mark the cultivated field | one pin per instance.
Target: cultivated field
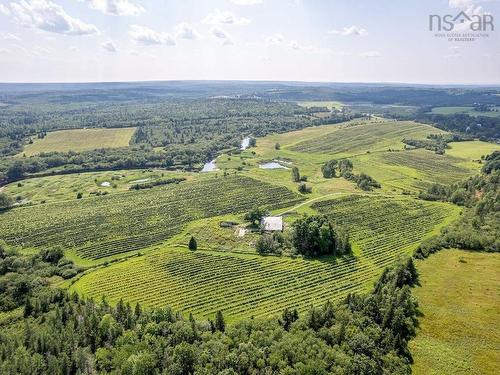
(114, 224)
(244, 285)
(460, 302)
(79, 140)
(369, 137)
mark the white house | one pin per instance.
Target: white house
(271, 223)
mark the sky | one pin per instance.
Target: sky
(277, 40)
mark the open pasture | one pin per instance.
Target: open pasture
(460, 303)
(79, 140)
(114, 224)
(245, 285)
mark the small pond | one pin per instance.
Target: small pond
(209, 167)
(272, 165)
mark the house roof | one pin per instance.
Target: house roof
(272, 223)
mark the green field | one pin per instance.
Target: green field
(369, 137)
(244, 285)
(460, 302)
(79, 140)
(326, 104)
(66, 187)
(107, 225)
(466, 110)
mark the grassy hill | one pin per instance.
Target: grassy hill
(460, 303)
(369, 137)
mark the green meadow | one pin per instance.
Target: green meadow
(460, 304)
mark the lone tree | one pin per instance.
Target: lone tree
(193, 245)
(328, 169)
(255, 215)
(295, 174)
(304, 189)
(220, 324)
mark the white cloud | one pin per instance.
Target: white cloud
(116, 7)
(347, 31)
(246, 2)
(145, 35)
(281, 41)
(4, 50)
(185, 31)
(4, 10)
(109, 46)
(219, 33)
(133, 52)
(275, 39)
(218, 17)
(9, 36)
(73, 49)
(460, 3)
(39, 50)
(370, 54)
(48, 16)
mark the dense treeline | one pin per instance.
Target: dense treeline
(479, 226)
(64, 334)
(482, 127)
(27, 276)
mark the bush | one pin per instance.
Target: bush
(270, 244)
(304, 189)
(5, 201)
(52, 255)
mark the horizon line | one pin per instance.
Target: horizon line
(496, 84)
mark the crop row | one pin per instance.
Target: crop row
(203, 282)
(107, 225)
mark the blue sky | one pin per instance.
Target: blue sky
(301, 40)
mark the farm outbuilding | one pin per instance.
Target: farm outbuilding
(271, 223)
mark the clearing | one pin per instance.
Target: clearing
(79, 140)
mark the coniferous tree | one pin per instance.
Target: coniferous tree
(193, 245)
(220, 324)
